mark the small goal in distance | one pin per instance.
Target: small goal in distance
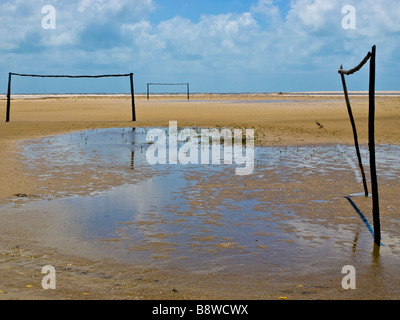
(130, 75)
(168, 84)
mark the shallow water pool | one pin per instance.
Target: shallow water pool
(291, 214)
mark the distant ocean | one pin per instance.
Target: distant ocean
(311, 93)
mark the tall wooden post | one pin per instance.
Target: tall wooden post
(187, 89)
(148, 85)
(353, 125)
(8, 98)
(371, 139)
(133, 98)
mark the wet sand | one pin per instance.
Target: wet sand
(29, 237)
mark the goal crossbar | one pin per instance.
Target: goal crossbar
(168, 84)
(68, 76)
(130, 75)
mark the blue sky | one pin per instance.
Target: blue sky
(216, 46)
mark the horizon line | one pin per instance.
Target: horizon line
(324, 93)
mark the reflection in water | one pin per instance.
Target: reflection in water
(133, 152)
(356, 236)
(376, 254)
(292, 212)
(376, 273)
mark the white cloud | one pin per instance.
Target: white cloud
(261, 41)
(108, 9)
(211, 36)
(21, 20)
(212, 40)
(58, 39)
(313, 13)
(377, 18)
(270, 11)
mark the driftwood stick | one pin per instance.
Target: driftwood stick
(355, 69)
(353, 125)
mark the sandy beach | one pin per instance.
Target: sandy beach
(284, 121)
(30, 240)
